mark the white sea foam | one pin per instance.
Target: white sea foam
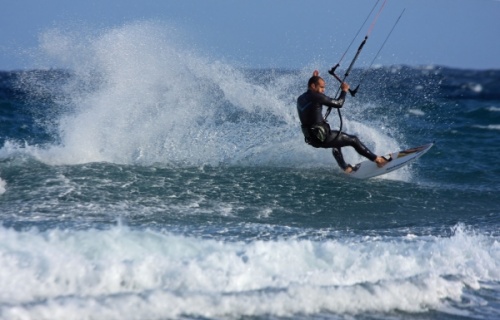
(2, 186)
(126, 274)
(475, 87)
(489, 127)
(416, 112)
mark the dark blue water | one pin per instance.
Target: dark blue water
(140, 181)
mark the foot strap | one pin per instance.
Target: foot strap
(388, 159)
(355, 168)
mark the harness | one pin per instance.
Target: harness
(316, 134)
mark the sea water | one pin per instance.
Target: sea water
(141, 179)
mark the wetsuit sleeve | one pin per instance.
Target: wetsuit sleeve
(330, 102)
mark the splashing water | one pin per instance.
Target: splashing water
(137, 96)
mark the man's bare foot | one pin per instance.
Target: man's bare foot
(381, 161)
(349, 169)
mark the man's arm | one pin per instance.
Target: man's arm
(330, 102)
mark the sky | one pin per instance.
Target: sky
(286, 34)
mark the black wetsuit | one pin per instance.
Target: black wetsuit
(317, 131)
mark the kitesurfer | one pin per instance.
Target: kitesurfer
(317, 131)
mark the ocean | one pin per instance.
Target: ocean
(140, 179)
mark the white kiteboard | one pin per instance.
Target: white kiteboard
(368, 169)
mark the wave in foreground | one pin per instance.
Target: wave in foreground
(119, 272)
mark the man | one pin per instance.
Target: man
(317, 131)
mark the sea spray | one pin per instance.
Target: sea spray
(136, 95)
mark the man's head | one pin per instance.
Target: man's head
(316, 84)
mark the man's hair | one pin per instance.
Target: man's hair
(313, 80)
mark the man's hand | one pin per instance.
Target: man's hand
(315, 73)
(344, 86)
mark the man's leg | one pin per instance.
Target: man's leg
(347, 140)
(344, 140)
(337, 154)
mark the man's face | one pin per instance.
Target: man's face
(319, 87)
